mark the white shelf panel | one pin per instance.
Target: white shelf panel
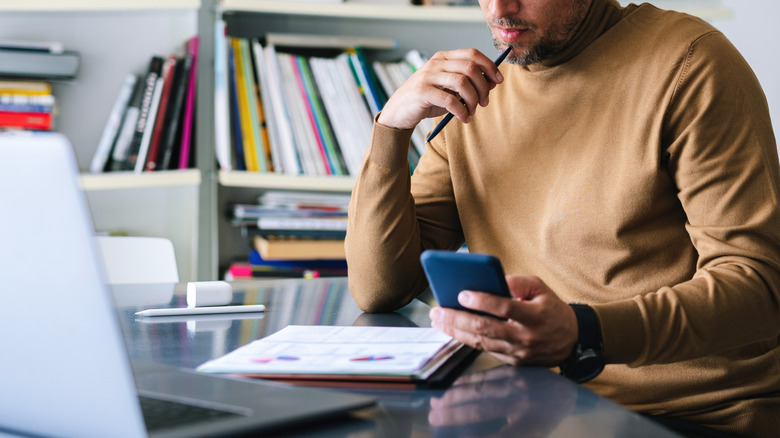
(707, 10)
(95, 5)
(286, 182)
(357, 10)
(130, 180)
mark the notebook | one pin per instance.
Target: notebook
(65, 369)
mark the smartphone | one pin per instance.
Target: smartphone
(450, 272)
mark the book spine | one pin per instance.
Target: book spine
(250, 150)
(33, 121)
(150, 82)
(290, 160)
(254, 118)
(174, 114)
(168, 74)
(27, 87)
(42, 65)
(235, 118)
(26, 107)
(140, 162)
(186, 135)
(321, 118)
(127, 128)
(110, 131)
(221, 98)
(334, 108)
(268, 123)
(307, 97)
(308, 152)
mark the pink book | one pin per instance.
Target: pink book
(307, 104)
(186, 134)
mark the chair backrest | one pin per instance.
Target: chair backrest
(129, 260)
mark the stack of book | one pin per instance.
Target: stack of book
(150, 126)
(293, 234)
(300, 104)
(26, 71)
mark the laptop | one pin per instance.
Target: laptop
(65, 370)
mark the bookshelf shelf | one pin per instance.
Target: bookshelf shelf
(95, 5)
(708, 10)
(357, 10)
(130, 180)
(273, 181)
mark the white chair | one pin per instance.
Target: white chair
(133, 260)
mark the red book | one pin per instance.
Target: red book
(25, 120)
(159, 123)
(186, 135)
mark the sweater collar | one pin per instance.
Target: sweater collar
(601, 16)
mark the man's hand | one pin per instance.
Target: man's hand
(439, 85)
(540, 329)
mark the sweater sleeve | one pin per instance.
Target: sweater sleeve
(722, 155)
(390, 223)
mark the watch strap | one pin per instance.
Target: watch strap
(588, 327)
(587, 359)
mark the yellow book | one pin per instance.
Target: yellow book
(27, 88)
(250, 151)
(299, 248)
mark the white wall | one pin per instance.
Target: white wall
(753, 30)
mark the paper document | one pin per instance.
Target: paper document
(320, 351)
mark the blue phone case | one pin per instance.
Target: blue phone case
(450, 272)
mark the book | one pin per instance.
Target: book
(367, 79)
(279, 223)
(280, 247)
(265, 135)
(235, 113)
(305, 143)
(124, 137)
(290, 161)
(321, 120)
(168, 73)
(174, 114)
(189, 105)
(141, 158)
(343, 354)
(26, 87)
(329, 266)
(265, 110)
(38, 64)
(248, 139)
(111, 129)
(147, 98)
(24, 103)
(221, 98)
(252, 106)
(55, 47)
(22, 120)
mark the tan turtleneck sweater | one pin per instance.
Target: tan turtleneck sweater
(637, 171)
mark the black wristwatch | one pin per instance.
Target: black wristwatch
(587, 359)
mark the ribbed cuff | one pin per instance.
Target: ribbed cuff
(622, 330)
(390, 146)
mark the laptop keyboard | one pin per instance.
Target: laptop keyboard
(163, 414)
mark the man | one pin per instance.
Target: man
(622, 158)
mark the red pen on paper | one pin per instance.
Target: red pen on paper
(370, 358)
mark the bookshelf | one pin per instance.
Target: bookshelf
(118, 37)
(115, 38)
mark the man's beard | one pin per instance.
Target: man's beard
(545, 47)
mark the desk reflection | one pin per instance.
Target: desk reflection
(485, 401)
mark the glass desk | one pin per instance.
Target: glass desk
(488, 399)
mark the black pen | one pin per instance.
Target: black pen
(449, 116)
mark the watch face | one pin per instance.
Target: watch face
(587, 366)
